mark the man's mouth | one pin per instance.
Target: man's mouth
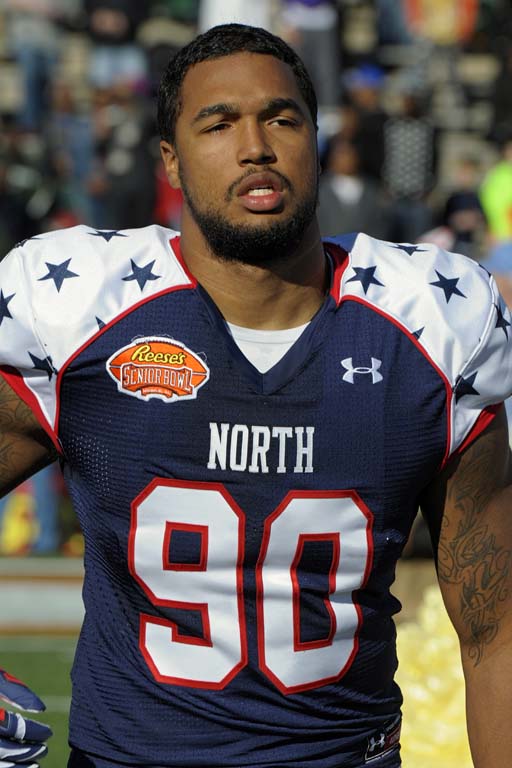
(261, 192)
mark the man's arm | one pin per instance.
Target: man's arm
(24, 448)
(469, 511)
(24, 445)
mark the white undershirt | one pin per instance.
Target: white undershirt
(265, 348)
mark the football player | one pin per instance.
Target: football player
(248, 420)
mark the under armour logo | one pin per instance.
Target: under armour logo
(373, 743)
(362, 370)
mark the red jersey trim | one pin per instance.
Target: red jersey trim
(175, 244)
(15, 380)
(483, 420)
(340, 262)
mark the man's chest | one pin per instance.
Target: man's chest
(353, 406)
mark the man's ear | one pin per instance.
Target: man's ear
(171, 163)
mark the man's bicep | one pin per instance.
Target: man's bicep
(468, 509)
(24, 446)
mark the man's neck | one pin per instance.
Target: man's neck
(276, 296)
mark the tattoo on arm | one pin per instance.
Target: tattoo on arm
(470, 555)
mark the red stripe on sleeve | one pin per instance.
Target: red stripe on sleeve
(485, 418)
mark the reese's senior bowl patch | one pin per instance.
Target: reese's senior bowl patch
(158, 367)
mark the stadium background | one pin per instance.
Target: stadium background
(416, 144)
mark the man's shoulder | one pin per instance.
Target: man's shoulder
(81, 261)
(449, 308)
(415, 257)
(446, 302)
(81, 242)
(384, 271)
(63, 286)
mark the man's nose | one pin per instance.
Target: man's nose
(254, 145)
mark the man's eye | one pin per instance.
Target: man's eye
(217, 128)
(285, 121)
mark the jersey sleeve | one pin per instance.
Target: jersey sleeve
(25, 363)
(451, 309)
(485, 380)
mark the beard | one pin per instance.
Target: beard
(249, 244)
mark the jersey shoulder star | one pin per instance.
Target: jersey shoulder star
(448, 285)
(108, 234)
(142, 273)
(4, 306)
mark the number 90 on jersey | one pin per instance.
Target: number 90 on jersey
(213, 584)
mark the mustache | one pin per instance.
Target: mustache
(260, 169)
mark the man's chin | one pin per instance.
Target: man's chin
(255, 238)
(269, 239)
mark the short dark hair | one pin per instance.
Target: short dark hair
(225, 40)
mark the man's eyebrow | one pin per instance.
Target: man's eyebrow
(216, 109)
(274, 106)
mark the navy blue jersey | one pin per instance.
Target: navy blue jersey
(242, 529)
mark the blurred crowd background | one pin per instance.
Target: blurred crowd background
(415, 136)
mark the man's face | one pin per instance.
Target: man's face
(245, 157)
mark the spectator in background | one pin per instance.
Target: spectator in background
(27, 184)
(70, 138)
(496, 193)
(122, 182)
(409, 171)
(464, 215)
(463, 227)
(15, 221)
(348, 201)
(171, 24)
(123, 179)
(115, 56)
(312, 28)
(33, 35)
(367, 115)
